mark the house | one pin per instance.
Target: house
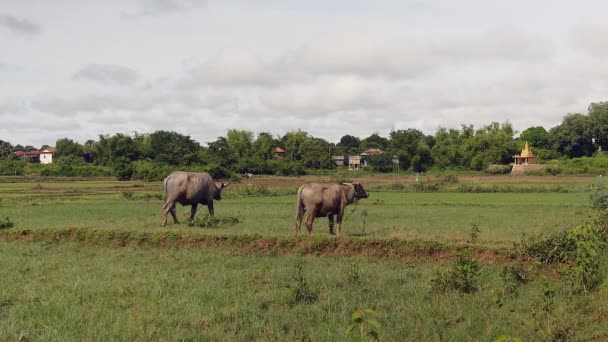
(339, 160)
(44, 156)
(354, 162)
(279, 152)
(357, 162)
(30, 156)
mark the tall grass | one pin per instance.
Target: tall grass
(75, 292)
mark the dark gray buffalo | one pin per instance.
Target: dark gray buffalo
(321, 200)
(190, 188)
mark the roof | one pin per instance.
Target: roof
(526, 152)
(48, 150)
(372, 151)
(27, 154)
(279, 150)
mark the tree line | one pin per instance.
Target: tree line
(148, 156)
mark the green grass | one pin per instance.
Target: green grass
(68, 291)
(501, 217)
(98, 266)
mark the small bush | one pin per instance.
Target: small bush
(214, 222)
(128, 195)
(512, 277)
(6, 223)
(300, 289)
(463, 276)
(353, 275)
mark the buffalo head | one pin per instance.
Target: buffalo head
(217, 194)
(359, 191)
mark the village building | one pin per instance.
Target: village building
(44, 156)
(525, 161)
(357, 162)
(339, 160)
(279, 152)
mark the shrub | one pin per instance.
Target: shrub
(6, 223)
(128, 195)
(353, 275)
(463, 276)
(214, 221)
(300, 289)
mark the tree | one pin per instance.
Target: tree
(406, 140)
(220, 152)
(240, 142)
(492, 144)
(6, 149)
(171, 148)
(263, 146)
(293, 142)
(448, 149)
(67, 147)
(537, 137)
(315, 154)
(110, 148)
(598, 117)
(573, 137)
(349, 143)
(374, 141)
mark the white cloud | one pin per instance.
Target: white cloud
(162, 7)
(108, 74)
(364, 54)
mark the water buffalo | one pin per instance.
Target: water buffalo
(321, 200)
(190, 188)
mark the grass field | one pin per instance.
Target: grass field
(59, 289)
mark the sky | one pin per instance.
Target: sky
(80, 68)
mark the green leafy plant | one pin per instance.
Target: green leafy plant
(364, 324)
(353, 274)
(6, 223)
(301, 290)
(462, 277)
(474, 234)
(128, 195)
(214, 221)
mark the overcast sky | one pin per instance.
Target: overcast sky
(79, 68)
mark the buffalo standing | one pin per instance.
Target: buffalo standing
(321, 200)
(190, 188)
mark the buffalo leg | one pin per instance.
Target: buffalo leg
(210, 207)
(169, 207)
(309, 220)
(193, 211)
(330, 217)
(299, 216)
(338, 223)
(173, 213)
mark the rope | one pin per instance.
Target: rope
(353, 210)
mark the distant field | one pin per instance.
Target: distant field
(81, 285)
(269, 209)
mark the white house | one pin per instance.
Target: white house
(46, 155)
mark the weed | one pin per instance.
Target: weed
(462, 277)
(214, 222)
(6, 223)
(300, 289)
(364, 324)
(128, 195)
(474, 234)
(353, 274)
